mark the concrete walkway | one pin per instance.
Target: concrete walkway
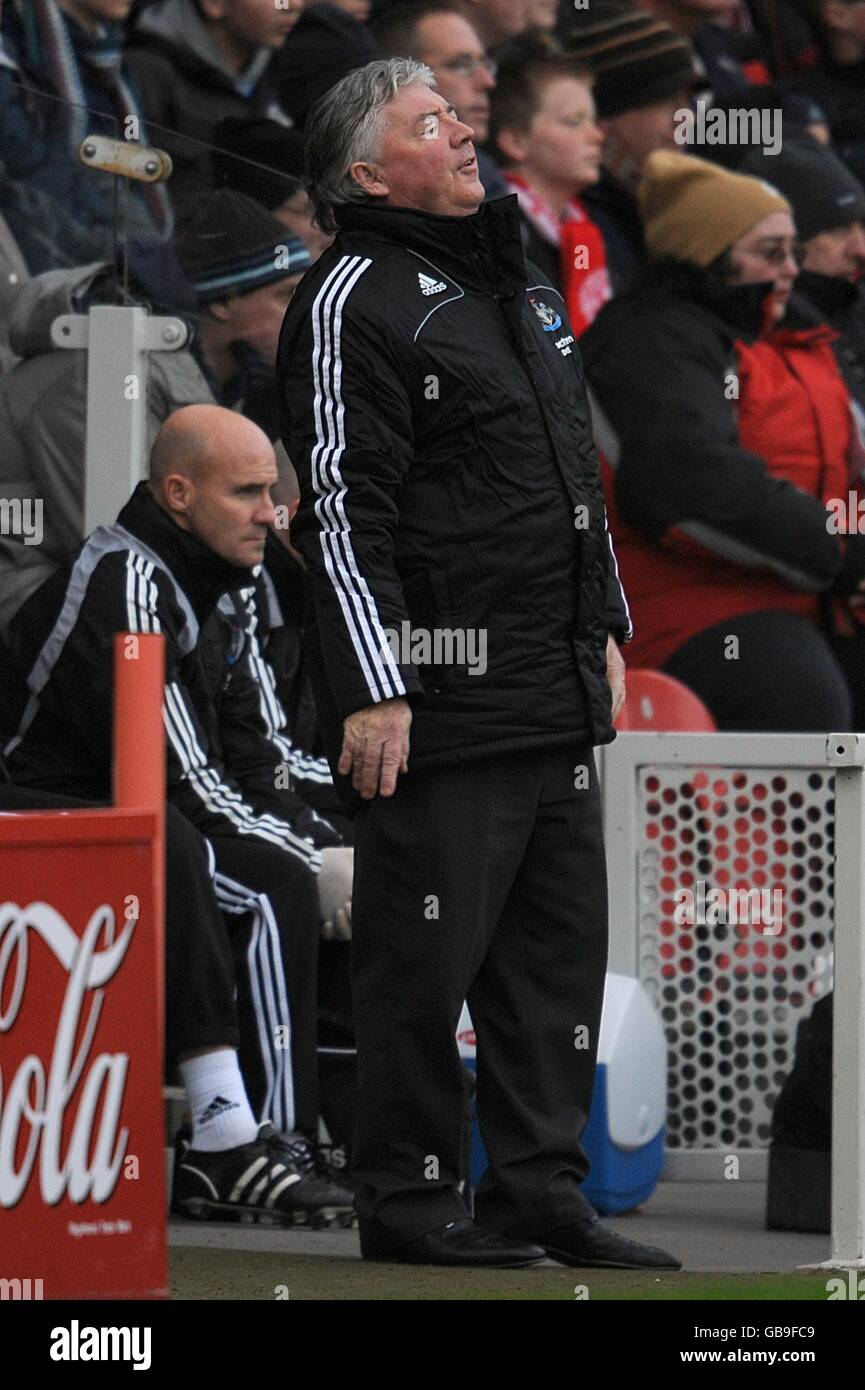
(712, 1227)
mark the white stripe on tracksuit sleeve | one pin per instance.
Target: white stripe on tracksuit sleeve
(358, 606)
(217, 797)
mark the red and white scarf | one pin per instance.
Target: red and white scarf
(584, 278)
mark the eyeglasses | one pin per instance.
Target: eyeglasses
(467, 67)
(774, 255)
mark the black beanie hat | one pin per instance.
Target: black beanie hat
(821, 190)
(231, 245)
(636, 59)
(245, 144)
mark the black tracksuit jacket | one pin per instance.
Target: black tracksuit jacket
(435, 412)
(226, 732)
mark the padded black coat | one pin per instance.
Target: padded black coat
(435, 412)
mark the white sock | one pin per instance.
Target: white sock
(221, 1113)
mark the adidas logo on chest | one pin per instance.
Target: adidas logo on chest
(428, 285)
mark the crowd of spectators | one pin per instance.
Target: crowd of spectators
(711, 270)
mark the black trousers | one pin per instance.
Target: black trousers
(483, 882)
(271, 900)
(788, 676)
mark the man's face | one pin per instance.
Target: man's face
(498, 20)
(256, 23)
(634, 135)
(296, 213)
(449, 45)
(840, 253)
(768, 252)
(426, 159)
(255, 319)
(230, 507)
(564, 143)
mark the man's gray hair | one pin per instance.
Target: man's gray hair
(344, 128)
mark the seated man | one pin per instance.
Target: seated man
(202, 1038)
(187, 538)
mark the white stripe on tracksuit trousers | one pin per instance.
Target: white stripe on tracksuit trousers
(263, 953)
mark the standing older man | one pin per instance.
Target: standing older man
(452, 522)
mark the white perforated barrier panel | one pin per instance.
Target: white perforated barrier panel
(735, 960)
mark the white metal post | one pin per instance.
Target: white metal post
(846, 753)
(117, 340)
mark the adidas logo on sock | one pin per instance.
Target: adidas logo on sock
(217, 1106)
(430, 286)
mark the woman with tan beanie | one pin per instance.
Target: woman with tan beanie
(726, 434)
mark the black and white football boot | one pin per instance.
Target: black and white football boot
(312, 1161)
(269, 1180)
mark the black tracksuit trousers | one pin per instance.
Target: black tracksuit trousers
(484, 882)
(241, 952)
(273, 899)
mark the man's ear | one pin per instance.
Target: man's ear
(370, 179)
(513, 144)
(212, 9)
(177, 492)
(220, 310)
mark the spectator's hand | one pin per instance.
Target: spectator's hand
(334, 892)
(339, 929)
(375, 747)
(615, 674)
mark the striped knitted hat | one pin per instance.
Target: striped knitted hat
(636, 58)
(231, 245)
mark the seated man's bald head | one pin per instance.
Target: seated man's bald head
(212, 471)
(197, 438)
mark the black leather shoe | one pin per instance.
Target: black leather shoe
(458, 1243)
(589, 1245)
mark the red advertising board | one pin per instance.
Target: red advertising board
(82, 1167)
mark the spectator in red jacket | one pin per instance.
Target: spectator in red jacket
(729, 448)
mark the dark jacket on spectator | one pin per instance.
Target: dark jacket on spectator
(185, 85)
(721, 448)
(840, 91)
(324, 45)
(461, 494)
(43, 423)
(829, 299)
(13, 274)
(60, 212)
(224, 725)
(615, 210)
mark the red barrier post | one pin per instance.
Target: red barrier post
(139, 757)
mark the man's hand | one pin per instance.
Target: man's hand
(615, 674)
(375, 747)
